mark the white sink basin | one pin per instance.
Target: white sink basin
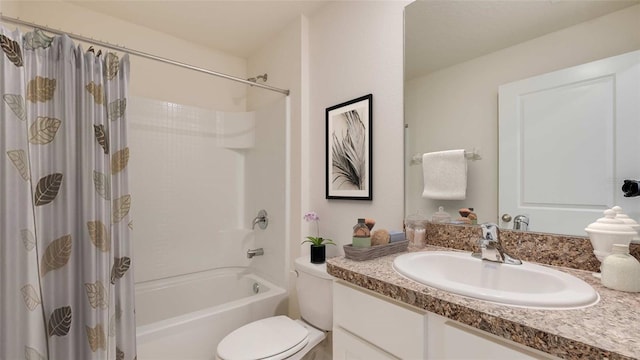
(526, 285)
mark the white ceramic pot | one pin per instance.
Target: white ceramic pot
(621, 271)
(620, 215)
(607, 231)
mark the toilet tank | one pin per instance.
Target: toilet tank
(315, 293)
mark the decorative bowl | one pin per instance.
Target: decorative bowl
(606, 231)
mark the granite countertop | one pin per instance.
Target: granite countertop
(610, 329)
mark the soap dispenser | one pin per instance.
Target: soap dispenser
(361, 235)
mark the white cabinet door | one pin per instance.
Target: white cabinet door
(449, 339)
(568, 139)
(394, 327)
(349, 347)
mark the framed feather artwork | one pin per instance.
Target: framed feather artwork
(348, 149)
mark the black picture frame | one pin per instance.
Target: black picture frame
(349, 149)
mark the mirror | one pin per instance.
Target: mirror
(457, 55)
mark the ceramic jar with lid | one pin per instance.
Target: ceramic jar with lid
(441, 216)
(607, 231)
(621, 271)
(620, 215)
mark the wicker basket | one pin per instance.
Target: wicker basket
(361, 254)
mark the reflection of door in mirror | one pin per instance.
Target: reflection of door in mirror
(568, 139)
(454, 105)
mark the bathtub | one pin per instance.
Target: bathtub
(185, 317)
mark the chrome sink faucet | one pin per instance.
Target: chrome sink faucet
(491, 248)
(521, 222)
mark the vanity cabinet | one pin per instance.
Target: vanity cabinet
(365, 323)
(352, 347)
(448, 339)
(369, 326)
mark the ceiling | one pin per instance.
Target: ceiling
(236, 27)
(441, 33)
(438, 33)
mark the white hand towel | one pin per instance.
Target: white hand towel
(445, 175)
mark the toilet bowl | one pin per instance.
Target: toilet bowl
(273, 338)
(280, 337)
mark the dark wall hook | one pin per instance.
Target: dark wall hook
(631, 188)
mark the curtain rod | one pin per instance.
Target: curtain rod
(145, 55)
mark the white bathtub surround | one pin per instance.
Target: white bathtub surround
(235, 130)
(197, 201)
(200, 177)
(185, 317)
(66, 286)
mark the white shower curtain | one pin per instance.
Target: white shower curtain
(66, 283)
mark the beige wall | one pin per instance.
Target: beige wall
(457, 107)
(355, 48)
(282, 58)
(150, 79)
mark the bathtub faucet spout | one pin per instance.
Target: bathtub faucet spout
(254, 252)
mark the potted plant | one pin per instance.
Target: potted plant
(318, 249)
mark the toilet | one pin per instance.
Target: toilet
(280, 337)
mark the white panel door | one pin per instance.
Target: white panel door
(568, 139)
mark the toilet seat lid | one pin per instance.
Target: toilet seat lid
(264, 339)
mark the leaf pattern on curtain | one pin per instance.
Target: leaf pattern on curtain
(120, 267)
(102, 184)
(47, 189)
(99, 236)
(48, 145)
(17, 105)
(119, 160)
(32, 354)
(19, 160)
(97, 295)
(130, 225)
(59, 322)
(114, 321)
(97, 339)
(37, 39)
(43, 130)
(120, 208)
(96, 90)
(116, 109)
(30, 296)
(56, 255)
(28, 239)
(119, 354)
(12, 49)
(101, 137)
(112, 325)
(41, 89)
(113, 65)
